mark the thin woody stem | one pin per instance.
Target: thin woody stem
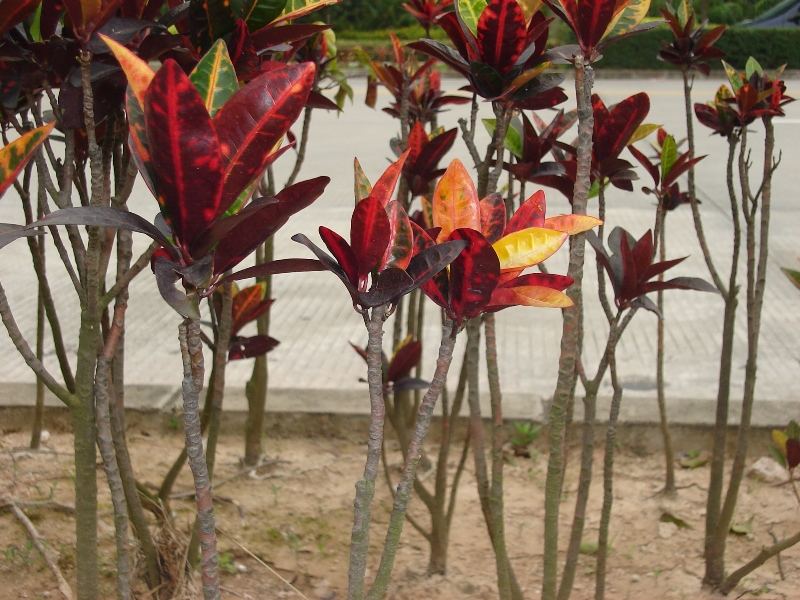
(192, 357)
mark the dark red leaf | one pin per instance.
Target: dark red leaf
(342, 252)
(277, 267)
(792, 453)
(249, 347)
(369, 235)
(493, 217)
(501, 34)
(406, 358)
(387, 288)
(647, 164)
(613, 128)
(252, 122)
(254, 224)
(185, 152)
(473, 275)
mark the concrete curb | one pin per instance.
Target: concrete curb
(636, 408)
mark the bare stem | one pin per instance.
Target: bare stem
(570, 335)
(192, 356)
(403, 494)
(365, 487)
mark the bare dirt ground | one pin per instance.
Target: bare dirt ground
(295, 515)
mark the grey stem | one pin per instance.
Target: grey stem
(403, 494)
(365, 487)
(192, 357)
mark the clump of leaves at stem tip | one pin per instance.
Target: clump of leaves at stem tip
(751, 94)
(598, 23)
(424, 153)
(500, 52)
(427, 12)
(615, 128)
(665, 170)
(381, 262)
(692, 47)
(488, 275)
(202, 168)
(631, 269)
(422, 83)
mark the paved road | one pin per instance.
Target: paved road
(314, 368)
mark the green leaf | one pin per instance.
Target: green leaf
(257, 13)
(685, 11)
(793, 430)
(513, 141)
(644, 130)
(752, 67)
(733, 77)
(588, 548)
(668, 517)
(669, 154)
(215, 77)
(694, 459)
(794, 276)
(36, 24)
(470, 11)
(362, 186)
(742, 527)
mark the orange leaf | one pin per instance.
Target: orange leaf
(527, 247)
(455, 201)
(572, 224)
(532, 295)
(138, 72)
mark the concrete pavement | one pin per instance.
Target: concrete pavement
(314, 368)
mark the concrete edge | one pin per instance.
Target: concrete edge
(636, 407)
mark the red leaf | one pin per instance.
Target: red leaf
(252, 122)
(493, 217)
(406, 358)
(248, 304)
(792, 453)
(556, 282)
(401, 239)
(15, 12)
(261, 219)
(383, 189)
(501, 34)
(417, 140)
(341, 252)
(529, 214)
(647, 164)
(185, 152)
(369, 235)
(473, 275)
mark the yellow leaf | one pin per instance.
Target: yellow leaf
(527, 247)
(627, 17)
(779, 438)
(455, 201)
